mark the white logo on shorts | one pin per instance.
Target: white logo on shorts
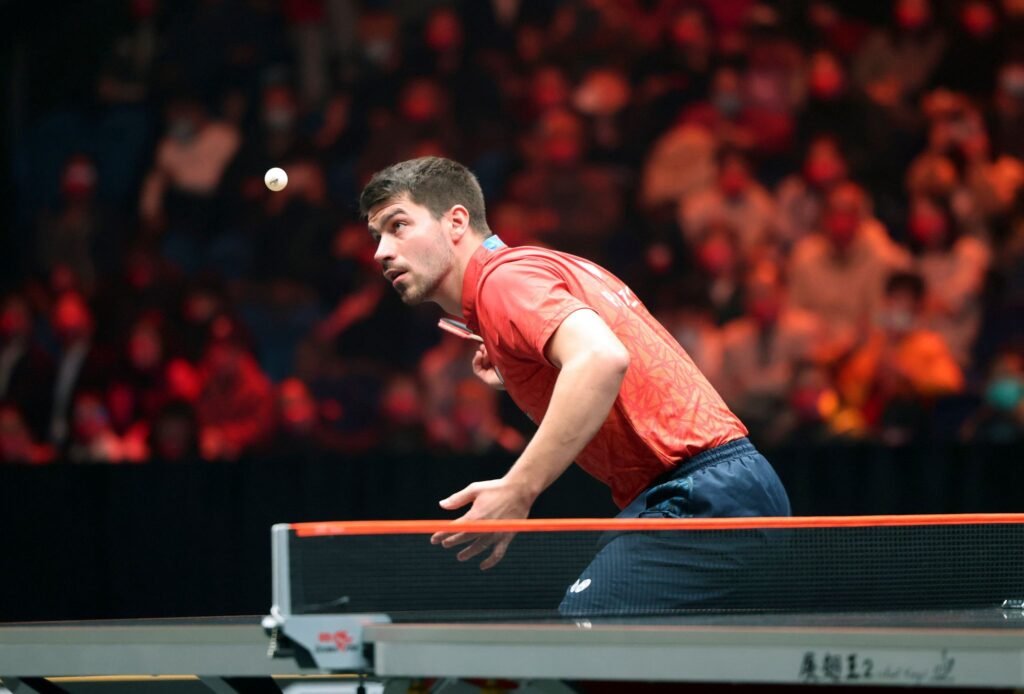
(579, 586)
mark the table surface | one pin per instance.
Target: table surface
(978, 648)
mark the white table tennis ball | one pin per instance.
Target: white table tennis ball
(276, 179)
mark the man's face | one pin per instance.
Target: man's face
(413, 248)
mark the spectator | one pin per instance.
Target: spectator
(92, 438)
(236, 405)
(832, 106)
(813, 414)
(300, 430)
(736, 201)
(971, 66)
(895, 63)
(953, 267)
(179, 194)
(584, 201)
(681, 163)
(720, 268)
(987, 184)
(686, 312)
(762, 350)
(680, 72)
(595, 127)
(440, 369)
(839, 272)
(1008, 107)
(476, 424)
(895, 377)
(82, 365)
(801, 196)
(73, 235)
(1001, 416)
(402, 415)
(603, 97)
(144, 365)
(16, 442)
(723, 112)
(26, 370)
(174, 435)
(829, 26)
(128, 424)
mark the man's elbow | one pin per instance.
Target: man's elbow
(620, 360)
(611, 360)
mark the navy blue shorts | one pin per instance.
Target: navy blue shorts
(644, 572)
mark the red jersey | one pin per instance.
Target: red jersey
(666, 411)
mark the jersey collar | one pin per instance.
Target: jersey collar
(471, 278)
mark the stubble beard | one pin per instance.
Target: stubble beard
(436, 266)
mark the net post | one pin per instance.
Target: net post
(281, 577)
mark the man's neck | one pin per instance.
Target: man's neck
(450, 295)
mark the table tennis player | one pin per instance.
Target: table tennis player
(607, 385)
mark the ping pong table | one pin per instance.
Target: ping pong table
(975, 648)
(315, 629)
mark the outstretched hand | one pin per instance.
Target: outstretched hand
(493, 499)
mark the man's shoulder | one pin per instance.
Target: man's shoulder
(509, 263)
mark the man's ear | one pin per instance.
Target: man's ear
(459, 217)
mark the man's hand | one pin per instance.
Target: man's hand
(493, 499)
(484, 369)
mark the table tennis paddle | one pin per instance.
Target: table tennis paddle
(459, 328)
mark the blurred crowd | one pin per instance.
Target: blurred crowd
(821, 200)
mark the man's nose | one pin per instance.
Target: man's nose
(385, 250)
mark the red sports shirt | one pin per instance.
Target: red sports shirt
(666, 411)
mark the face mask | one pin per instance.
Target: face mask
(687, 32)
(562, 151)
(1004, 393)
(728, 104)
(278, 119)
(733, 182)
(910, 19)
(821, 171)
(926, 229)
(825, 84)
(978, 21)
(12, 324)
(1012, 82)
(377, 51)
(182, 129)
(898, 320)
(842, 227)
(715, 257)
(805, 402)
(443, 33)
(79, 180)
(764, 310)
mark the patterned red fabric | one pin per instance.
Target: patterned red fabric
(666, 411)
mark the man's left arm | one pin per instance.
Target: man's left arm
(592, 363)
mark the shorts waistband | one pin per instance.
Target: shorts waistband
(737, 447)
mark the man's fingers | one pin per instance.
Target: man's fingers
(460, 498)
(500, 547)
(458, 539)
(478, 546)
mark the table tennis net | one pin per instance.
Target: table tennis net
(658, 570)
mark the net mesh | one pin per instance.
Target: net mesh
(663, 572)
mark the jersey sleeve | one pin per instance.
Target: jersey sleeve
(522, 303)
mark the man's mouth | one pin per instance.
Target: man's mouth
(393, 275)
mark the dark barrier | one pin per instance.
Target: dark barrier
(150, 540)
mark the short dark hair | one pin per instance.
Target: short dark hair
(434, 182)
(909, 282)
